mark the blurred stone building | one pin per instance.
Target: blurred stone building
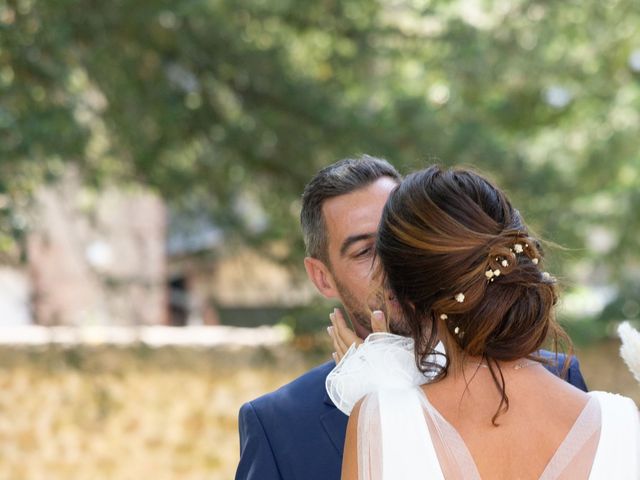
(120, 257)
(97, 257)
(211, 282)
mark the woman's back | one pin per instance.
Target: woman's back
(544, 414)
(551, 431)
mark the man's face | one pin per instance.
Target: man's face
(352, 222)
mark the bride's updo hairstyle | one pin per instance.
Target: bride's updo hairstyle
(463, 267)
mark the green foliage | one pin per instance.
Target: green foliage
(220, 104)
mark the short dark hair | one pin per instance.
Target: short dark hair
(340, 178)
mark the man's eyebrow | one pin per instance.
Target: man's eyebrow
(353, 239)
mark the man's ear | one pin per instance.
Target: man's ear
(321, 277)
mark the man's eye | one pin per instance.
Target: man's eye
(364, 252)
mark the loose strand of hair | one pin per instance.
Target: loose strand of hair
(503, 407)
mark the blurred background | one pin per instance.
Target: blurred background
(152, 158)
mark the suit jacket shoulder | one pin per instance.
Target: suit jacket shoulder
(293, 432)
(288, 398)
(573, 374)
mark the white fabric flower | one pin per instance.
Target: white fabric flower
(384, 360)
(630, 348)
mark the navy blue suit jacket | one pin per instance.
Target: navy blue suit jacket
(297, 433)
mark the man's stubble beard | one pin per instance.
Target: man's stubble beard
(360, 312)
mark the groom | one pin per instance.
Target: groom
(296, 432)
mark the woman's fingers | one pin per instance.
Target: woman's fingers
(338, 343)
(341, 335)
(337, 346)
(347, 336)
(339, 320)
(379, 322)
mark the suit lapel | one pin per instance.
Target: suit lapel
(335, 424)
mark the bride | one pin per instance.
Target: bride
(460, 393)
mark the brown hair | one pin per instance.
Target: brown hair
(441, 233)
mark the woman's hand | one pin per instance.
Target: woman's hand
(343, 337)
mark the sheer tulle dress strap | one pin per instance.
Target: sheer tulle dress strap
(393, 440)
(454, 458)
(574, 457)
(369, 439)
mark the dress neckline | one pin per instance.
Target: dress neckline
(579, 432)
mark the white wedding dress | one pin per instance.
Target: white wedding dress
(401, 436)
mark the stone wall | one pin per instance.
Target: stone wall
(97, 257)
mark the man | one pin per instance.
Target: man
(296, 432)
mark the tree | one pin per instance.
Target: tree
(220, 104)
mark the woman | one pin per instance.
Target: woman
(464, 270)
